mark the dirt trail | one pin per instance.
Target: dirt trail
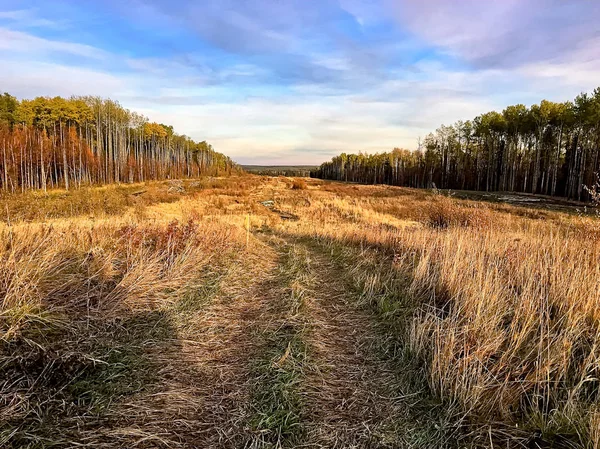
(201, 399)
(352, 396)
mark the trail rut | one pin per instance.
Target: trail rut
(352, 394)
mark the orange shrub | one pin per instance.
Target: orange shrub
(299, 184)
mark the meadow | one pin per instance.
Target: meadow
(254, 311)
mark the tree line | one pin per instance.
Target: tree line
(280, 170)
(57, 142)
(549, 148)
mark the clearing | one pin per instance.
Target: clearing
(268, 312)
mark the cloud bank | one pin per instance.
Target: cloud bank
(285, 81)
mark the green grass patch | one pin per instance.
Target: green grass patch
(277, 409)
(276, 402)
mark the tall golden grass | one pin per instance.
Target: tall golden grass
(500, 303)
(505, 308)
(82, 291)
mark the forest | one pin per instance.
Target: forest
(550, 148)
(57, 142)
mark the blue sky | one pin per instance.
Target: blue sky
(298, 81)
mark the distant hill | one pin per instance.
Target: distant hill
(280, 170)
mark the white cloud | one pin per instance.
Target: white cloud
(356, 108)
(28, 18)
(262, 129)
(501, 34)
(24, 43)
(26, 79)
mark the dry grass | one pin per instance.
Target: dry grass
(502, 308)
(115, 200)
(80, 303)
(499, 305)
(299, 184)
(442, 212)
(86, 299)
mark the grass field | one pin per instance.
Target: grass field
(190, 314)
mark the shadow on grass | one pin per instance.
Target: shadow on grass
(56, 380)
(429, 421)
(384, 289)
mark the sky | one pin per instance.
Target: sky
(299, 81)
